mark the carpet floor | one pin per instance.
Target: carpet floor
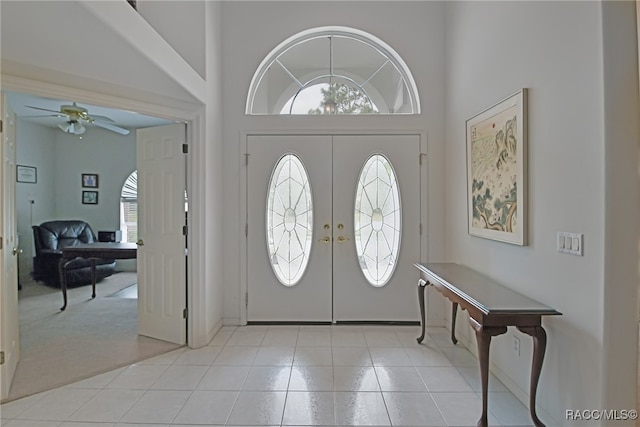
(90, 337)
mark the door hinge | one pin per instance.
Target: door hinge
(246, 159)
(185, 313)
(246, 230)
(420, 156)
(1, 242)
(1, 357)
(185, 148)
(246, 299)
(185, 230)
(1, 126)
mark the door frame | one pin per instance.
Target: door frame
(243, 148)
(195, 119)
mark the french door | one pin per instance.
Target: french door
(333, 227)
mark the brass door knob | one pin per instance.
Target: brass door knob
(16, 251)
(342, 239)
(325, 240)
(140, 242)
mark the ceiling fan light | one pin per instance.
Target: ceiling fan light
(64, 127)
(80, 129)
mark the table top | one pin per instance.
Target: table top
(482, 292)
(102, 249)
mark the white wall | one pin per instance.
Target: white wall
(556, 50)
(415, 30)
(171, 19)
(108, 154)
(36, 148)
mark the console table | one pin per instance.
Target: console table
(491, 307)
(92, 251)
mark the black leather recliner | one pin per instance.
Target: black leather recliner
(49, 237)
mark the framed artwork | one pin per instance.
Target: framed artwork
(27, 174)
(89, 180)
(89, 197)
(497, 171)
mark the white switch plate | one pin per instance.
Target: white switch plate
(569, 243)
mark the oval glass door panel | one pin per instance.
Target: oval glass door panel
(289, 219)
(377, 220)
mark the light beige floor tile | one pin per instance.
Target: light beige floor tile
(311, 378)
(389, 356)
(224, 378)
(156, 406)
(360, 408)
(58, 405)
(107, 406)
(309, 408)
(274, 356)
(399, 378)
(236, 355)
(355, 378)
(413, 409)
(461, 409)
(137, 377)
(443, 379)
(201, 356)
(180, 377)
(207, 407)
(351, 356)
(313, 356)
(258, 408)
(267, 378)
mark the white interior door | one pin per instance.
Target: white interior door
(9, 333)
(161, 217)
(377, 176)
(355, 272)
(289, 218)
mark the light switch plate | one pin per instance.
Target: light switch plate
(569, 243)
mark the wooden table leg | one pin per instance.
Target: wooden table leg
(93, 276)
(63, 280)
(539, 347)
(483, 338)
(422, 284)
(454, 312)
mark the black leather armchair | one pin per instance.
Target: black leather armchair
(49, 237)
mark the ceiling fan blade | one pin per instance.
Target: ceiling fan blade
(43, 109)
(108, 126)
(46, 115)
(101, 118)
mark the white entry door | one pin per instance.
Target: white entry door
(9, 333)
(355, 263)
(376, 209)
(289, 236)
(161, 245)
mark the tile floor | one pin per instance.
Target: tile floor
(284, 375)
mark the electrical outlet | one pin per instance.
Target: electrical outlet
(516, 345)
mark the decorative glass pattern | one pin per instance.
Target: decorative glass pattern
(289, 219)
(377, 220)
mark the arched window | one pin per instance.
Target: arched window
(333, 70)
(129, 209)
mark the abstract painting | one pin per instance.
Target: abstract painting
(496, 171)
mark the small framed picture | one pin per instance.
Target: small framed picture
(89, 180)
(89, 197)
(26, 174)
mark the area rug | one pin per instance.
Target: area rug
(90, 337)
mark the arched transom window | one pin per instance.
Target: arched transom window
(333, 70)
(129, 208)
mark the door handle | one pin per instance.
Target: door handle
(140, 242)
(342, 239)
(16, 251)
(325, 240)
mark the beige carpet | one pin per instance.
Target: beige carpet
(88, 338)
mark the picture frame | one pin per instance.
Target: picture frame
(89, 197)
(89, 180)
(496, 140)
(28, 174)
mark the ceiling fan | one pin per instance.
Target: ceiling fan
(77, 115)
